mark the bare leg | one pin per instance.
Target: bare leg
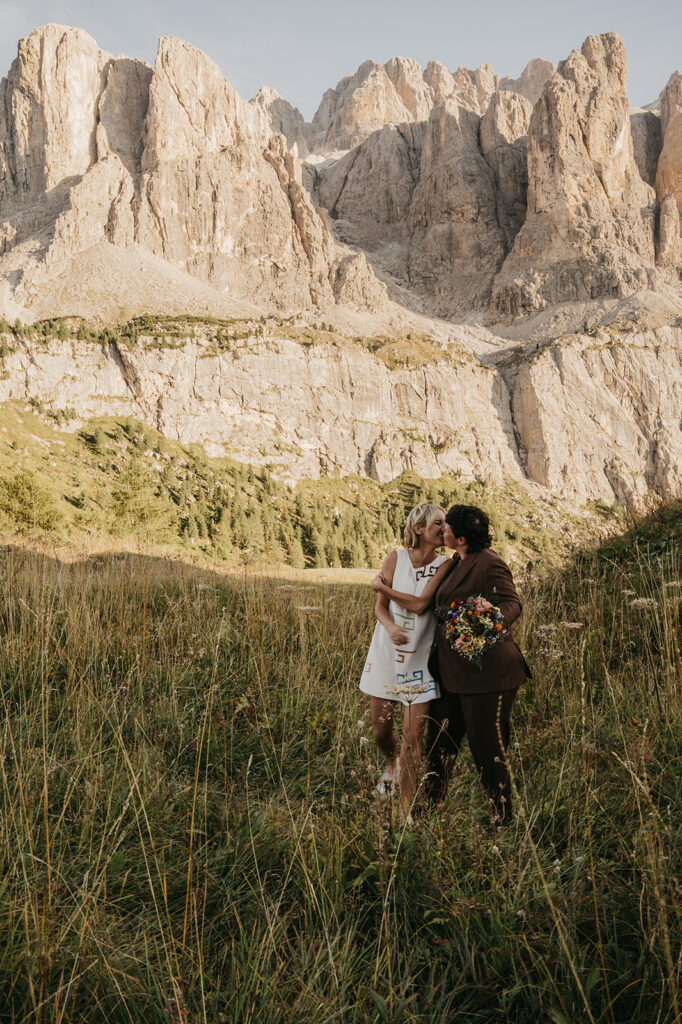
(384, 733)
(414, 721)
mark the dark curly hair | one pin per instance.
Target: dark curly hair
(471, 523)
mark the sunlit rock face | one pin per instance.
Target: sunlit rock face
(586, 417)
(589, 229)
(96, 150)
(669, 170)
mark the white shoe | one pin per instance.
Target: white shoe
(387, 783)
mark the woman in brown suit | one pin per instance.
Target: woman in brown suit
(474, 702)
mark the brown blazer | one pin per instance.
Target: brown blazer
(504, 667)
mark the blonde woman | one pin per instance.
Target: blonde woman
(396, 667)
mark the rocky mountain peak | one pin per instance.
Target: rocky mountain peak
(99, 151)
(463, 192)
(42, 144)
(589, 229)
(531, 81)
(473, 88)
(278, 115)
(669, 170)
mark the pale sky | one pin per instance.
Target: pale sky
(301, 48)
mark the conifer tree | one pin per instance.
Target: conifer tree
(136, 505)
(318, 550)
(433, 493)
(296, 556)
(332, 552)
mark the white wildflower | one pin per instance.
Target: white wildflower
(495, 849)
(363, 741)
(557, 867)
(644, 602)
(572, 625)
(409, 692)
(628, 593)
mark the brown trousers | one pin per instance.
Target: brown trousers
(485, 720)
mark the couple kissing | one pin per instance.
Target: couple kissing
(443, 647)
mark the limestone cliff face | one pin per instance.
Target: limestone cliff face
(305, 408)
(588, 417)
(589, 230)
(359, 105)
(569, 213)
(645, 128)
(97, 150)
(277, 115)
(669, 170)
(456, 243)
(454, 192)
(368, 193)
(201, 142)
(504, 127)
(437, 204)
(600, 416)
(42, 145)
(397, 92)
(67, 154)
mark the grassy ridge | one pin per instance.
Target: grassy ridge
(121, 478)
(189, 831)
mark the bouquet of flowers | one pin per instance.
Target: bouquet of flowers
(472, 627)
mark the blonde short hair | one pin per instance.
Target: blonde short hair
(422, 514)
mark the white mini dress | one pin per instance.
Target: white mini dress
(395, 673)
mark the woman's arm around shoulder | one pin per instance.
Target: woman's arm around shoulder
(411, 602)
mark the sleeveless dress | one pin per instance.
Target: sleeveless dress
(398, 673)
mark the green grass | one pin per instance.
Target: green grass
(189, 832)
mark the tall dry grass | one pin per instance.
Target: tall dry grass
(189, 830)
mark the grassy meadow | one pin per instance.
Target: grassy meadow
(189, 831)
